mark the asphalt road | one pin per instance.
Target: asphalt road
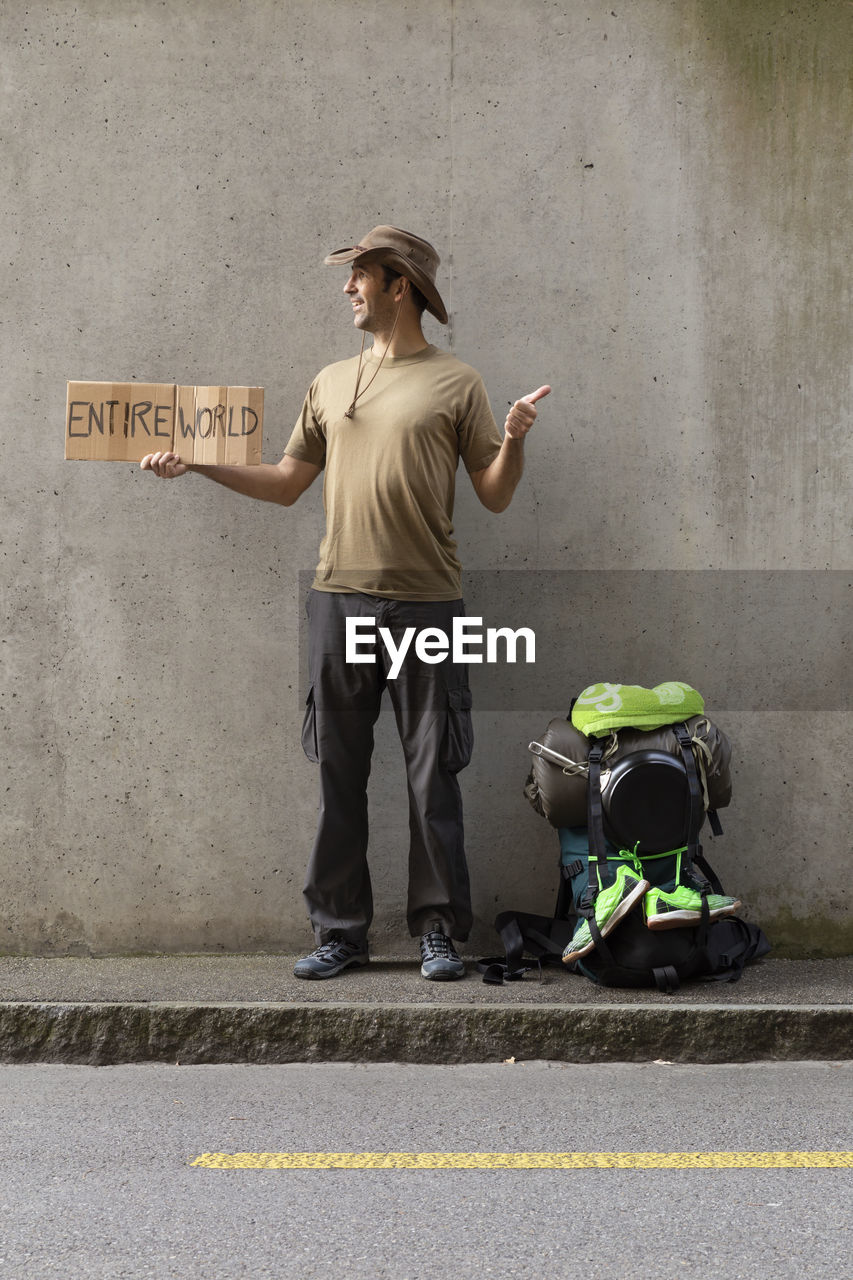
(97, 1176)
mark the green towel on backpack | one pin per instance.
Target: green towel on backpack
(603, 707)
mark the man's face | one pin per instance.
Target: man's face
(373, 307)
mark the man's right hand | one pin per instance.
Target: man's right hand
(165, 465)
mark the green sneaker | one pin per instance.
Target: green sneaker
(684, 907)
(611, 906)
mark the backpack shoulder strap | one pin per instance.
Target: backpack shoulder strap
(595, 828)
(707, 870)
(542, 937)
(696, 809)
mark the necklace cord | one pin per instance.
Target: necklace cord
(358, 394)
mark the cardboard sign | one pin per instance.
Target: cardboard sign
(123, 421)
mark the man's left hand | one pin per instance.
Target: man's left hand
(522, 415)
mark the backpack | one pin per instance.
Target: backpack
(635, 956)
(653, 802)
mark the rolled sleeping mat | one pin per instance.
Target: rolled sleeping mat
(557, 784)
(712, 752)
(556, 790)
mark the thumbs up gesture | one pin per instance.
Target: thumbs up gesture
(522, 414)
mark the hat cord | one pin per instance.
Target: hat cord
(358, 394)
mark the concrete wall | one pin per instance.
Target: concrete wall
(647, 205)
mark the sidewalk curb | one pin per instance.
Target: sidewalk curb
(103, 1034)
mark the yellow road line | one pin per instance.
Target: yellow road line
(526, 1160)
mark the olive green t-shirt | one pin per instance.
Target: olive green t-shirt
(390, 470)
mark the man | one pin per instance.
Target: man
(389, 428)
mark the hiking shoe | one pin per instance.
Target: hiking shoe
(330, 958)
(611, 906)
(440, 961)
(683, 906)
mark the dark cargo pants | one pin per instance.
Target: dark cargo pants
(432, 706)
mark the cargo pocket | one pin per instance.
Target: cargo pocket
(309, 729)
(460, 731)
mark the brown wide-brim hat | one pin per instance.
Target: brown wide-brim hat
(410, 255)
